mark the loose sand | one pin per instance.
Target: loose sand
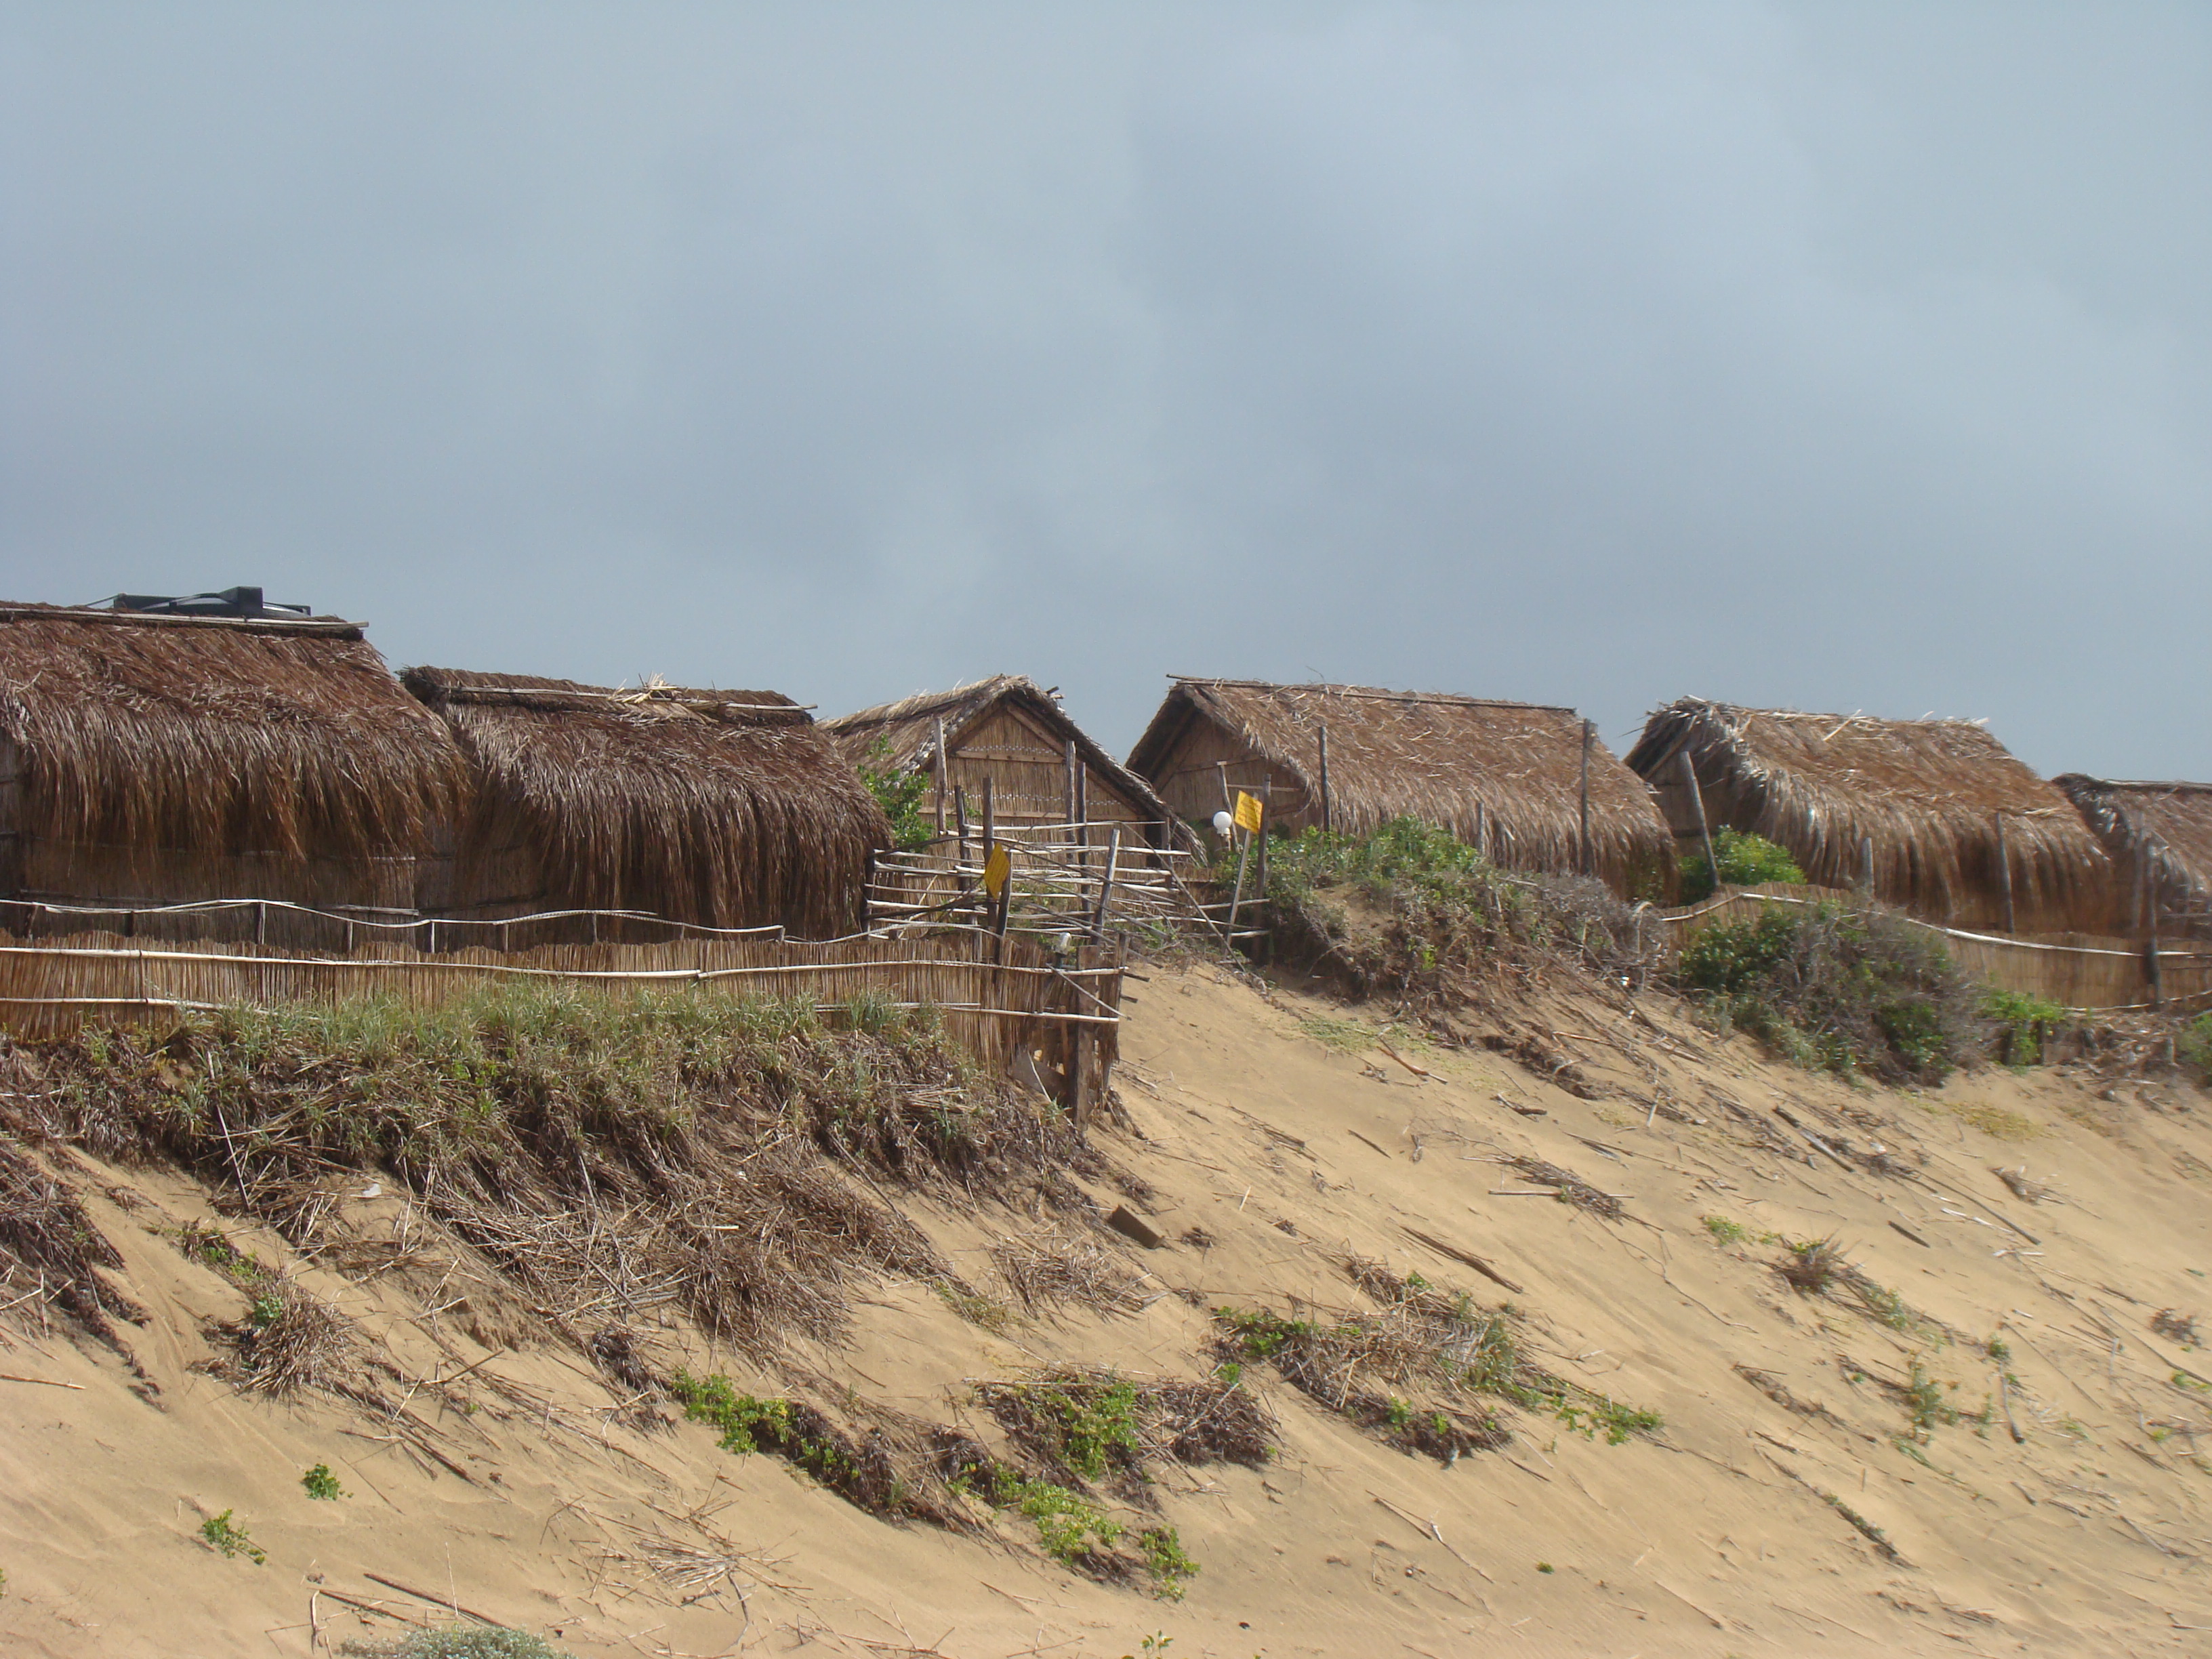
(1732, 1531)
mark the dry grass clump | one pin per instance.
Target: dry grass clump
(1088, 1424)
(735, 1160)
(50, 1253)
(1439, 1348)
(289, 1340)
(1451, 1355)
(2175, 1326)
(1810, 1268)
(1048, 1270)
(1572, 1189)
(2023, 1185)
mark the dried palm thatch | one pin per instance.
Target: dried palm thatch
(2160, 837)
(1949, 811)
(1504, 776)
(174, 757)
(725, 809)
(977, 720)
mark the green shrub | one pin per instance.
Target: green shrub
(899, 790)
(463, 1642)
(2194, 1047)
(1069, 1527)
(319, 1482)
(2023, 1023)
(223, 1533)
(744, 1421)
(1444, 910)
(1746, 860)
(1837, 990)
(1165, 1560)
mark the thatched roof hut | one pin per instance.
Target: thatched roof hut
(1956, 823)
(172, 758)
(1043, 769)
(722, 809)
(1505, 775)
(2160, 837)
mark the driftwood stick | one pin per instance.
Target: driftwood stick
(435, 1601)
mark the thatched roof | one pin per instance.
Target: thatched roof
(209, 738)
(1444, 759)
(1930, 792)
(902, 735)
(726, 809)
(2167, 826)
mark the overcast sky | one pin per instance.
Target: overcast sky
(1846, 356)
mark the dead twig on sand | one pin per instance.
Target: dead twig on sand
(1465, 1257)
(1430, 1528)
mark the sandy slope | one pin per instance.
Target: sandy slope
(1713, 1537)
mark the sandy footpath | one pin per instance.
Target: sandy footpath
(1788, 1506)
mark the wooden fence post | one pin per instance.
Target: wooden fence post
(991, 840)
(1588, 732)
(941, 774)
(1079, 1077)
(2151, 975)
(1704, 830)
(2004, 872)
(1070, 790)
(1327, 821)
(1267, 817)
(1866, 865)
(1083, 810)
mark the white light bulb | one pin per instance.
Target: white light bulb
(1222, 823)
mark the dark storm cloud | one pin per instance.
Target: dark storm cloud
(1843, 357)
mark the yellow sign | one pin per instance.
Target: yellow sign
(1248, 814)
(996, 869)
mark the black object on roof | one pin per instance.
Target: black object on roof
(230, 602)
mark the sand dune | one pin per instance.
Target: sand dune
(2048, 1499)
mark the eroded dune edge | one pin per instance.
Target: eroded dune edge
(1442, 1349)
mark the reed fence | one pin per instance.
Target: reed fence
(1005, 1001)
(2075, 970)
(1090, 881)
(276, 923)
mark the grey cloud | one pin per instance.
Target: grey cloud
(1845, 357)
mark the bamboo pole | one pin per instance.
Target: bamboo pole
(941, 773)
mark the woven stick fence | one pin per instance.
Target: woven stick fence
(998, 1009)
(2075, 970)
(1093, 881)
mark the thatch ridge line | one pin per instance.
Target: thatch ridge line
(1442, 699)
(306, 627)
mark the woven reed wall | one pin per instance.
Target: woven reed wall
(996, 1010)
